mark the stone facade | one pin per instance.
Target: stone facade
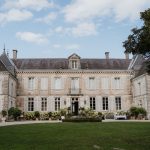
(104, 85)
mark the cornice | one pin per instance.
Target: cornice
(80, 71)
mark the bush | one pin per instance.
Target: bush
(14, 112)
(109, 115)
(56, 116)
(137, 112)
(44, 116)
(4, 113)
(29, 116)
(37, 114)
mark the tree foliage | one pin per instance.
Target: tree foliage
(138, 42)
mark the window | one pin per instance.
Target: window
(0, 86)
(118, 103)
(74, 83)
(57, 103)
(44, 104)
(74, 64)
(44, 83)
(117, 83)
(92, 103)
(30, 104)
(105, 103)
(57, 83)
(105, 83)
(92, 83)
(31, 83)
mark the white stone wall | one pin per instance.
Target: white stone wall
(141, 92)
(104, 86)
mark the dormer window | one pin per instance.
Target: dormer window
(74, 62)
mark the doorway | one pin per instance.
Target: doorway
(75, 105)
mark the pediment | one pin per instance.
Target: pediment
(74, 56)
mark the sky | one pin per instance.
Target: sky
(59, 28)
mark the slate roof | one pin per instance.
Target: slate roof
(62, 63)
(6, 64)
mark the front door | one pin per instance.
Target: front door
(75, 106)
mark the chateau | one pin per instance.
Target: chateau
(51, 84)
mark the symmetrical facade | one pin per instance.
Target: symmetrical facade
(104, 85)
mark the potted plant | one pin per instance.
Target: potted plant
(37, 115)
(4, 114)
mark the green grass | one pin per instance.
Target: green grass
(76, 136)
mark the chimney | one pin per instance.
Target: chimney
(107, 55)
(126, 55)
(15, 54)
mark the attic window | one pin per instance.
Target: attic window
(74, 64)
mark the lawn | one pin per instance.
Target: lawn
(76, 136)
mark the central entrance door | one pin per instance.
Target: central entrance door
(75, 105)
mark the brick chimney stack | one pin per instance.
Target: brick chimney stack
(107, 55)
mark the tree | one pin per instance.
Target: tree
(139, 41)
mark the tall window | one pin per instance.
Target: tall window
(30, 104)
(74, 83)
(92, 83)
(118, 103)
(92, 103)
(57, 83)
(117, 83)
(30, 83)
(105, 103)
(44, 104)
(57, 103)
(105, 83)
(74, 64)
(44, 83)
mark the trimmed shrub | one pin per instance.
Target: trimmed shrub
(14, 112)
(37, 114)
(4, 113)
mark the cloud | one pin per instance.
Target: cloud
(28, 4)
(47, 19)
(80, 30)
(67, 47)
(84, 29)
(81, 10)
(72, 47)
(15, 15)
(32, 37)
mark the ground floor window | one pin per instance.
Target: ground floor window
(30, 104)
(92, 103)
(105, 103)
(118, 103)
(57, 103)
(43, 104)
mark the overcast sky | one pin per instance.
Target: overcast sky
(58, 28)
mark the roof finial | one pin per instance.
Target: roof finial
(4, 48)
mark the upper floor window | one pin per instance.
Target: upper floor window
(105, 83)
(57, 83)
(74, 64)
(74, 83)
(92, 83)
(44, 83)
(117, 82)
(31, 83)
